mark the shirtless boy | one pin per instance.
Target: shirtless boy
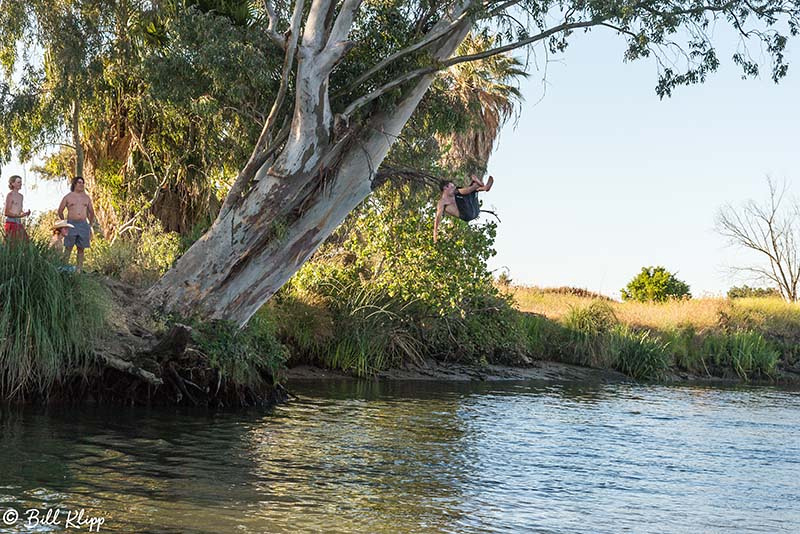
(461, 203)
(13, 210)
(80, 213)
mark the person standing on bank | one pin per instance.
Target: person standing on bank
(13, 210)
(80, 214)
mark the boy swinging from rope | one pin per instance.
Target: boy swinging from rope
(461, 203)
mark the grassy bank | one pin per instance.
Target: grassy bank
(751, 338)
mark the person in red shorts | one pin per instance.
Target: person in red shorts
(13, 210)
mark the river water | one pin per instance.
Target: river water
(417, 457)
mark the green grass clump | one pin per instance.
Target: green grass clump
(242, 355)
(590, 330)
(544, 338)
(638, 354)
(372, 330)
(744, 351)
(49, 318)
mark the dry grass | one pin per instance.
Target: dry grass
(768, 313)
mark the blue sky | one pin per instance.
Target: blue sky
(601, 178)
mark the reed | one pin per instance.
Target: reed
(49, 319)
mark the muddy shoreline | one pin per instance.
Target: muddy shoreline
(539, 370)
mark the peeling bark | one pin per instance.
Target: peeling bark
(295, 204)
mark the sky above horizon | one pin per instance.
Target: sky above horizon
(598, 178)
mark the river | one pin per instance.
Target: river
(417, 457)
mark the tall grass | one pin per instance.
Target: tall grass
(639, 355)
(352, 326)
(373, 330)
(744, 351)
(49, 319)
(591, 328)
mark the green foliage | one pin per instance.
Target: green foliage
(685, 347)
(655, 284)
(639, 354)
(745, 351)
(244, 356)
(139, 257)
(49, 319)
(745, 291)
(545, 339)
(590, 330)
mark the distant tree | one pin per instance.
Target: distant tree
(655, 284)
(772, 230)
(745, 291)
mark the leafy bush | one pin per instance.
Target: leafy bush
(745, 291)
(49, 318)
(655, 284)
(139, 257)
(393, 295)
(242, 355)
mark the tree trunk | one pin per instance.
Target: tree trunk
(294, 204)
(76, 137)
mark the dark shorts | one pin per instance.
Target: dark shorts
(468, 207)
(80, 236)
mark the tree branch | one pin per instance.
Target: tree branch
(362, 101)
(429, 38)
(258, 157)
(273, 34)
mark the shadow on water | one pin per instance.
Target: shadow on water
(364, 456)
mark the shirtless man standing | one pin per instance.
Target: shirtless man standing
(80, 213)
(13, 210)
(461, 203)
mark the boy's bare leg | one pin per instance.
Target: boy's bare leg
(488, 185)
(79, 260)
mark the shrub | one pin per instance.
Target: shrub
(745, 291)
(49, 319)
(242, 355)
(139, 257)
(655, 284)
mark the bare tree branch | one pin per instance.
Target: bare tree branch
(771, 232)
(272, 32)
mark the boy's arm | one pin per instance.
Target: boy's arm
(7, 208)
(61, 207)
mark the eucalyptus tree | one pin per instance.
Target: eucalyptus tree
(354, 72)
(164, 99)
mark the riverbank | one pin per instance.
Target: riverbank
(132, 354)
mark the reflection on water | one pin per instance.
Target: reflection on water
(421, 457)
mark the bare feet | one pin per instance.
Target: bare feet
(489, 183)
